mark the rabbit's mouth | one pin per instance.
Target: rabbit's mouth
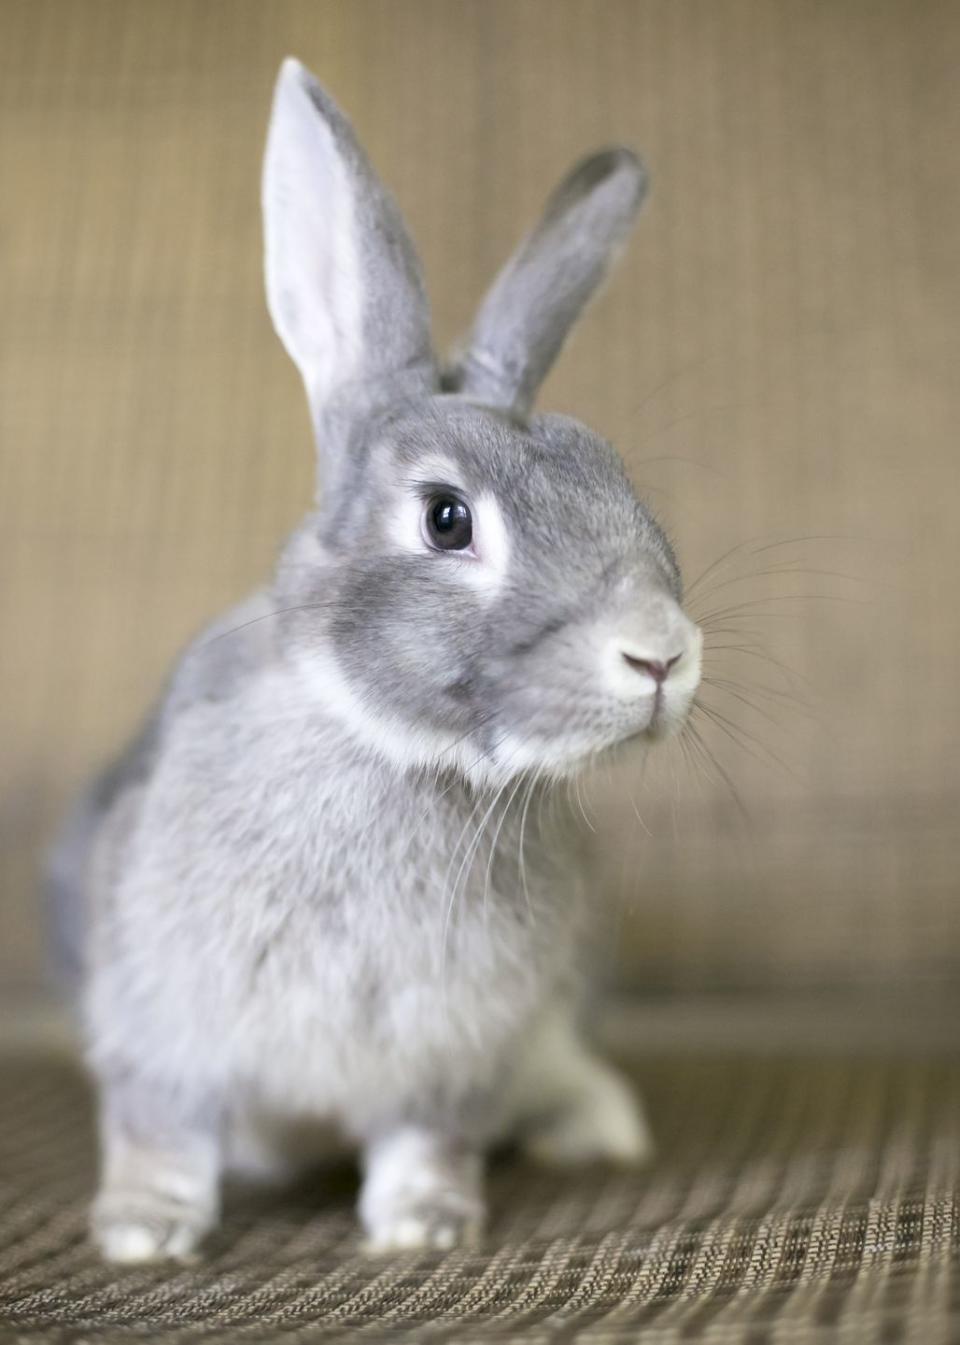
(664, 722)
(666, 718)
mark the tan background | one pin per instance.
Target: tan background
(777, 358)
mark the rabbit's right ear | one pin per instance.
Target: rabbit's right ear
(344, 286)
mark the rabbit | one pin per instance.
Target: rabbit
(322, 886)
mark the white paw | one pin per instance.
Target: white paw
(605, 1125)
(438, 1224)
(133, 1232)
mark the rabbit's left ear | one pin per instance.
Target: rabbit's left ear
(537, 297)
(344, 286)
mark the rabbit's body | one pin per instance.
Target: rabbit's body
(328, 935)
(327, 883)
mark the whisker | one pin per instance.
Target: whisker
(266, 616)
(496, 837)
(457, 779)
(747, 742)
(677, 457)
(735, 609)
(744, 700)
(521, 862)
(583, 812)
(780, 697)
(693, 764)
(752, 651)
(742, 628)
(688, 416)
(756, 546)
(775, 570)
(697, 738)
(637, 814)
(674, 377)
(460, 881)
(463, 870)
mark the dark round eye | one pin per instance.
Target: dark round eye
(449, 524)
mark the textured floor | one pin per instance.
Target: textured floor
(794, 1199)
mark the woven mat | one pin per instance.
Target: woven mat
(793, 1200)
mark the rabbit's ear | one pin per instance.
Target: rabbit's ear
(344, 286)
(535, 300)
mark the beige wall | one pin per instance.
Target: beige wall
(777, 358)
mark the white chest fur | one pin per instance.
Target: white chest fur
(321, 932)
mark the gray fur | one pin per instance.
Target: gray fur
(535, 300)
(327, 884)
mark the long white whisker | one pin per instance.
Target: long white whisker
(521, 862)
(496, 838)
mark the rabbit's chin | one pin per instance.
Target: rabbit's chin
(565, 757)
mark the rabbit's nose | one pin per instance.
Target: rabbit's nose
(654, 668)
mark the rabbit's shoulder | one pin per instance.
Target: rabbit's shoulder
(225, 656)
(224, 659)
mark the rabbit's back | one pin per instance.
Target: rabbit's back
(231, 649)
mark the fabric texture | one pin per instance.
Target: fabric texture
(804, 1199)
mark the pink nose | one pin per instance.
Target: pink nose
(653, 667)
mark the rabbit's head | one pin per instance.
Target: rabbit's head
(480, 587)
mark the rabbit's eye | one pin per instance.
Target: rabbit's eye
(449, 523)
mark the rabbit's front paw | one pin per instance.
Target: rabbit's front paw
(438, 1223)
(138, 1228)
(421, 1192)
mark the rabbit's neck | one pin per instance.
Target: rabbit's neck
(318, 685)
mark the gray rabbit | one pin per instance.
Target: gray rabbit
(327, 885)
